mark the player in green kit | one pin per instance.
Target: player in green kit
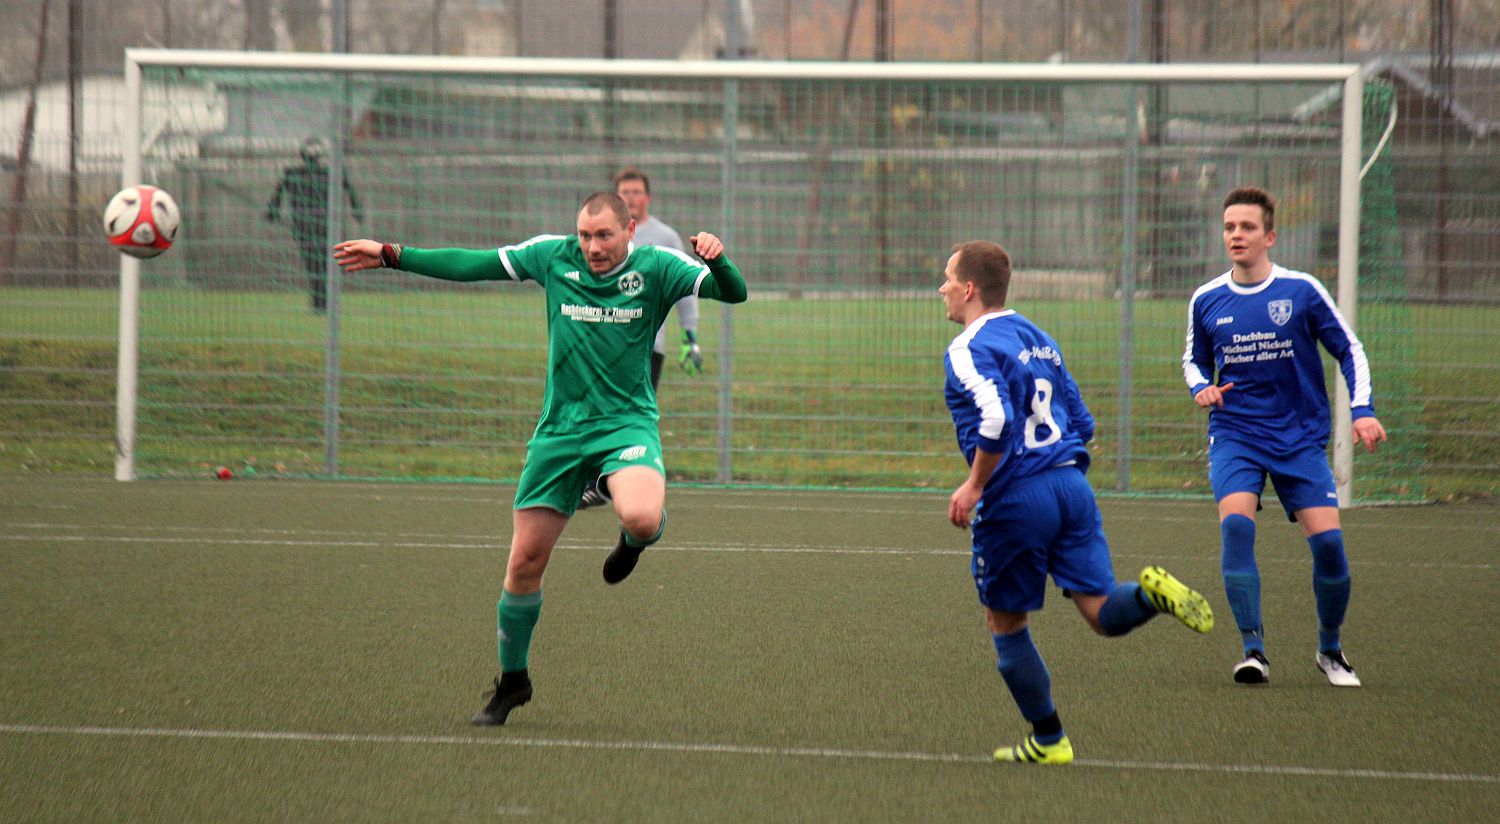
(605, 301)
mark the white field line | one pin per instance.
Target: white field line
(384, 541)
(1366, 519)
(725, 749)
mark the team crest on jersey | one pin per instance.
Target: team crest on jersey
(1281, 311)
(631, 283)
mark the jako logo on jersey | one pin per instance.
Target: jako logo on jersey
(632, 453)
(1281, 311)
(1224, 320)
(631, 283)
(573, 275)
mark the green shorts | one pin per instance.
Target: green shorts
(559, 466)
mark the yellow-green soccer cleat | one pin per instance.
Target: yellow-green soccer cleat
(1173, 597)
(1031, 752)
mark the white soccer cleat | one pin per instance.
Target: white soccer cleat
(1255, 669)
(1336, 667)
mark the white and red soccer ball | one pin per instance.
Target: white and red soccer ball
(141, 221)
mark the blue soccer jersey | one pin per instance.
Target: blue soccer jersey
(1010, 394)
(1264, 339)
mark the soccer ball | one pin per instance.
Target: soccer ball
(141, 221)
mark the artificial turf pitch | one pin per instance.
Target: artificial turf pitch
(312, 651)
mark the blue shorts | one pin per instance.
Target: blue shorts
(1302, 478)
(1040, 525)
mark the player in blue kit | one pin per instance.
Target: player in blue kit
(1022, 426)
(1252, 359)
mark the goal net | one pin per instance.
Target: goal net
(839, 189)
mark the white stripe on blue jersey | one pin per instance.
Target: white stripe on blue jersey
(1191, 373)
(1264, 339)
(1360, 388)
(1010, 394)
(981, 389)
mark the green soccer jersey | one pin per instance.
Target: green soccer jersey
(600, 327)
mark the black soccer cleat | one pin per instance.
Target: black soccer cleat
(592, 497)
(512, 690)
(621, 562)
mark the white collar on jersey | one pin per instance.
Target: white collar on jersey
(629, 250)
(1256, 288)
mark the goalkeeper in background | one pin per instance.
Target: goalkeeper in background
(633, 187)
(605, 299)
(305, 186)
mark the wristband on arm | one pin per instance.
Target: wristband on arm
(390, 255)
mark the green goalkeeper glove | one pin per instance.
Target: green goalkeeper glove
(689, 356)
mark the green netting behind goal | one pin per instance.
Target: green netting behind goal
(839, 198)
(1385, 319)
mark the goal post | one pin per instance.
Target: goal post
(846, 182)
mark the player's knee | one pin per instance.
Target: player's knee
(1004, 623)
(1238, 527)
(643, 524)
(525, 564)
(1330, 562)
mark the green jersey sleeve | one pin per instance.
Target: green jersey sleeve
(529, 259)
(725, 283)
(453, 264)
(719, 279)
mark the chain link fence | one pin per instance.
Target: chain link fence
(60, 120)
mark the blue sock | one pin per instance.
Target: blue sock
(1026, 675)
(1330, 585)
(1124, 610)
(1242, 579)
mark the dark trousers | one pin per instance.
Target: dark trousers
(315, 263)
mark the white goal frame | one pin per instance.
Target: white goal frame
(730, 71)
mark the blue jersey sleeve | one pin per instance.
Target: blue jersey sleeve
(1198, 356)
(977, 377)
(1328, 324)
(1079, 417)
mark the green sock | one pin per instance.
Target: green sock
(515, 618)
(630, 540)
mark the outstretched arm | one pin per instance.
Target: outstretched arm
(446, 264)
